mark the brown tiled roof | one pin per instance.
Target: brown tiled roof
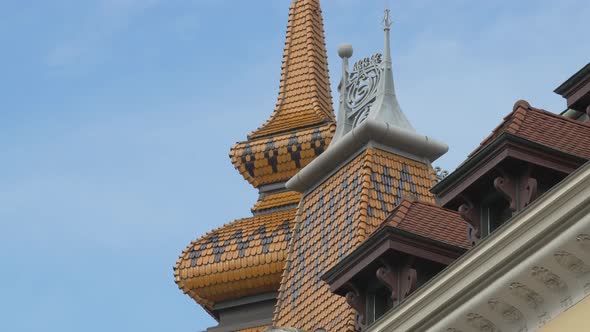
(277, 158)
(545, 128)
(332, 221)
(271, 201)
(305, 98)
(430, 221)
(242, 258)
(254, 329)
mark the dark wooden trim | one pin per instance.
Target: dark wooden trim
(384, 240)
(503, 147)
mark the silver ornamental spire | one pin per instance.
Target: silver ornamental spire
(368, 91)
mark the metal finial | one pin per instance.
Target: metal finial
(387, 22)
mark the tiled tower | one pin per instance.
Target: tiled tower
(234, 271)
(375, 161)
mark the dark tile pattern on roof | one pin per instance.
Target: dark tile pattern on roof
(272, 201)
(277, 158)
(545, 128)
(332, 221)
(242, 258)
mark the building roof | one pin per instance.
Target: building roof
(277, 158)
(430, 221)
(305, 98)
(545, 128)
(242, 258)
(276, 200)
(332, 221)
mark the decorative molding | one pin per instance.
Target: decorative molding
(481, 323)
(584, 241)
(551, 280)
(571, 263)
(532, 298)
(509, 313)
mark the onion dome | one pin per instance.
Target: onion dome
(246, 257)
(303, 122)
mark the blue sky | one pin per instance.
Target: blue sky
(117, 117)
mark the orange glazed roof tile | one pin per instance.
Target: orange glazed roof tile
(278, 200)
(277, 158)
(430, 221)
(545, 128)
(305, 98)
(242, 258)
(254, 329)
(331, 222)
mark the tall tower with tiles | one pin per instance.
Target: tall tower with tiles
(234, 272)
(377, 160)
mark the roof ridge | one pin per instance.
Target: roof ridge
(304, 55)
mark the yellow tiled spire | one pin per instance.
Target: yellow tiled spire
(303, 122)
(304, 98)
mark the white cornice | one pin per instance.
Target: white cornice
(526, 273)
(411, 144)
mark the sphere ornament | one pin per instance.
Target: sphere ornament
(345, 51)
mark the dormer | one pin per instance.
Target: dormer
(576, 91)
(526, 155)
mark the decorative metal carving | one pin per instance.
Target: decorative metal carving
(572, 263)
(551, 280)
(362, 85)
(584, 241)
(508, 313)
(481, 323)
(532, 298)
(358, 302)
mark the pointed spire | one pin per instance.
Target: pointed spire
(304, 98)
(387, 107)
(368, 91)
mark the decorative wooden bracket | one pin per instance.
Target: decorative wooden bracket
(400, 281)
(358, 302)
(408, 281)
(388, 277)
(588, 113)
(519, 196)
(470, 213)
(528, 189)
(505, 186)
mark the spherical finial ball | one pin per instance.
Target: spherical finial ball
(345, 51)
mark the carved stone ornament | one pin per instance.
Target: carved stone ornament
(509, 313)
(584, 241)
(452, 329)
(481, 323)
(362, 86)
(572, 263)
(551, 280)
(532, 298)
